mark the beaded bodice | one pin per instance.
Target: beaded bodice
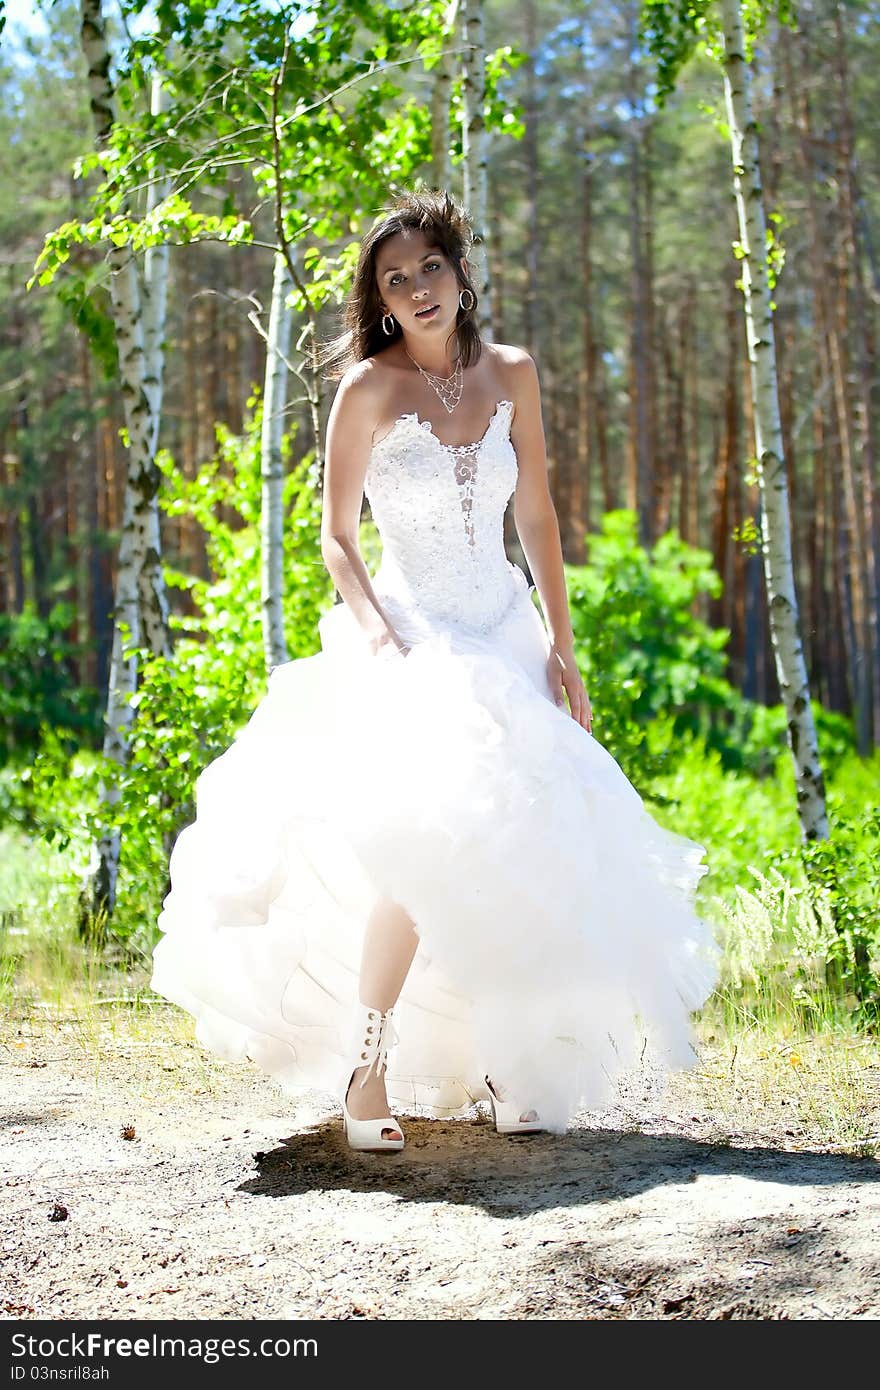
(439, 509)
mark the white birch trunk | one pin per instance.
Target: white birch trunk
(441, 92)
(154, 298)
(271, 466)
(475, 146)
(791, 668)
(140, 614)
(155, 291)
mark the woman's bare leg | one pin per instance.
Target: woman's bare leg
(390, 942)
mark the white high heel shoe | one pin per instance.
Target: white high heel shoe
(508, 1116)
(373, 1035)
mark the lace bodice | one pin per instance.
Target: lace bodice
(439, 509)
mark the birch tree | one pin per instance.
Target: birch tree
(530, 156)
(441, 98)
(140, 611)
(272, 467)
(791, 669)
(323, 138)
(475, 147)
(672, 34)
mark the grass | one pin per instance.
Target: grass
(53, 985)
(803, 1087)
(775, 1067)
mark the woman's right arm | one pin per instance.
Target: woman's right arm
(349, 437)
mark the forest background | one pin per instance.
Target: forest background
(610, 242)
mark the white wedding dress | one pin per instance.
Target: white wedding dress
(555, 917)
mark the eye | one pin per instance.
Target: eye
(429, 265)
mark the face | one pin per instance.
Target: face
(417, 283)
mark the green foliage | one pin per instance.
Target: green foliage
(52, 795)
(173, 221)
(842, 876)
(189, 706)
(753, 736)
(38, 681)
(654, 670)
(674, 29)
(716, 768)
(314, 113)
(742, 819)
(806, 933)
(642, 650)
(800, 923)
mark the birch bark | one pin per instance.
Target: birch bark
(140, 610)
(475, 162)
(271, 466)
(441, 91)
(776, 527)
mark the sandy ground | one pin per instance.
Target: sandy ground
(143, 1179)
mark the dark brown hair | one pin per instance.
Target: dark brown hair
(446, 225)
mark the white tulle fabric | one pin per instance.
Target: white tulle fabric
(556, 924)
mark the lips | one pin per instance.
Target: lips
(427, 313)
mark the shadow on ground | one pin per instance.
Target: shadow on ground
(506, 1176)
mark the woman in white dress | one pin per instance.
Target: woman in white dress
(416, 847)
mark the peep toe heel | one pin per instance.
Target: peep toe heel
(373, 1035)
(508, 1116)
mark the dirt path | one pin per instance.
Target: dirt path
(227, 1200)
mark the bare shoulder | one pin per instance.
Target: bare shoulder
(361, 391)
(506, 355)
(364, 388)
(517, 375)
(361, 379)
(514, 365)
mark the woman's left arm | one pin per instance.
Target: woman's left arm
(538, 530)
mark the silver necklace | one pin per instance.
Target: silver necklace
(446, 388)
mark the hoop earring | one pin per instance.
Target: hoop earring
(466, 308)
(388, 331)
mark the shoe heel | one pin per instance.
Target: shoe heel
(373, 1034)
(507, 1115)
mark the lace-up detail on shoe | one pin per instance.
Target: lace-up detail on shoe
(374, 1041)
(373, 1036)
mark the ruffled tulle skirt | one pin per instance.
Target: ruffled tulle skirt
(556, 921)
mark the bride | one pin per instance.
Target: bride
(416, 874)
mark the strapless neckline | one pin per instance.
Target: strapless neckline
(429, 429)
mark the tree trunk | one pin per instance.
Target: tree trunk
(86, 503)
(496, 270)
(727, 459)
(861, 382)
(581, 512)
(776, 531)
(689, 490)
(821, 636)
(272, 468)
(475, 150)
(140, 605)
(531, 113)
(652, 498)
(441, 92)
(641, 466)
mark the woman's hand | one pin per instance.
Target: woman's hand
(563, 674)
(387, 644)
